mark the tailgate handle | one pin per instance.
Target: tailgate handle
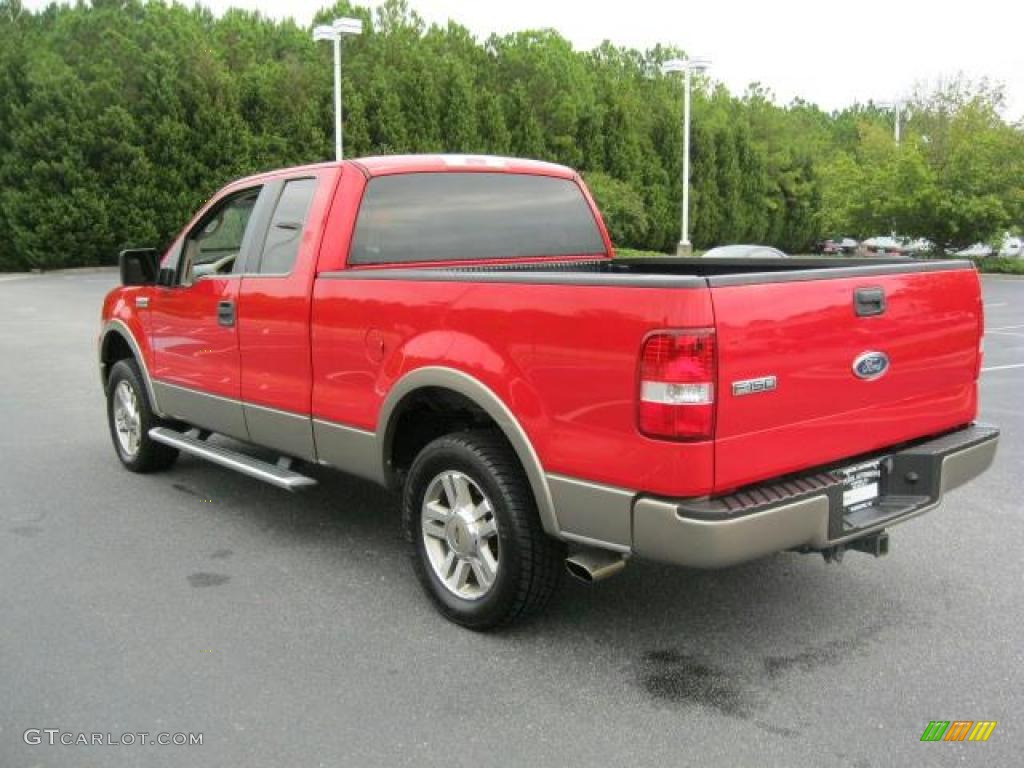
(868, 301)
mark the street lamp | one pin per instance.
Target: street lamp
(334, 32)
(897, 109)
(686, 66)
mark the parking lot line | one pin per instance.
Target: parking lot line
(1004, 328)
(1002, 367)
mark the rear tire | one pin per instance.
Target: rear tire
(130, 416)
(476, 541)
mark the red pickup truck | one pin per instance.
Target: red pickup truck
(458, 330)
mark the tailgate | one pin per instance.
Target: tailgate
(808, 330)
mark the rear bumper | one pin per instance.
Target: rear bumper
(806, 511)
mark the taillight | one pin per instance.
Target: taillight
(677, 385)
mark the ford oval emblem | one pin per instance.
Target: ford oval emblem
(870, 365)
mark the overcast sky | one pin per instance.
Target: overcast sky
(827, 52)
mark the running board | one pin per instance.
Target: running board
(274, 474)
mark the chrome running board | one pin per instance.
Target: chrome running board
(276, 474)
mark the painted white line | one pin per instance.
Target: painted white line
(1002, 367)
(996, 304)
(1005, 333)
(1005, 328)
(12, 278)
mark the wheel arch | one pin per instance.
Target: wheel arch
(414, 384)
(115, 338)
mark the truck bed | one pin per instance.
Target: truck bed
(569, 335)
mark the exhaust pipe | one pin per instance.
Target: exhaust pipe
(592, 565)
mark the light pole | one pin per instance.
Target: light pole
(334, 31)
(686, 66)
(897, 110)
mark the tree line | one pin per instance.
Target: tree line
(119, 117)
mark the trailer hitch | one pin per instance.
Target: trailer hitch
(876, 544)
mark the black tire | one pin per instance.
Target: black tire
(150, 456)
(530, 563)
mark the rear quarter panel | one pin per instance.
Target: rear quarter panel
(563, 358)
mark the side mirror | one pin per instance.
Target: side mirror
(139, 266)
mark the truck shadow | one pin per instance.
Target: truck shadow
(723, 641)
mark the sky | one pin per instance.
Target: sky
(826, 52)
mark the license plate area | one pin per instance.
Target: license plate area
(862, 485)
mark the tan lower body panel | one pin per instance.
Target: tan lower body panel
(592, 513)
(352, 450)
(660, 534)
(217, 414)
(289, 433)
(962, 466)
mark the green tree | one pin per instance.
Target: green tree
(954, 179)
(118, 118)
(459, 122)
(622, 208)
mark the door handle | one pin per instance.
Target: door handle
(226, 313)
(868, 302)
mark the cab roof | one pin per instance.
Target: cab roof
(388, 165)
(385, 165)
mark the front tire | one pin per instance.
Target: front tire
(476, 541)
(130, 417)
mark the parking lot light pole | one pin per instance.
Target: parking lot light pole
(686, 66)
(334, 32)
(897, 110)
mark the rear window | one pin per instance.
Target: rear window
(457, 216)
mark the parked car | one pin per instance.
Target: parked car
(457, 329)
(745, 252)
(976, 251)
(921, 246)
(1012, 247)
(886, 245)
(836, 246)
(848, 245)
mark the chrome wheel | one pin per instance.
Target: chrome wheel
(460, 535)
(127, 419)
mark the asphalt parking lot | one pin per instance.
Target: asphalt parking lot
(289, 630)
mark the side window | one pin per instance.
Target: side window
(285, 232)
(216, 242)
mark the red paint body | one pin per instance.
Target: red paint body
(564, 358)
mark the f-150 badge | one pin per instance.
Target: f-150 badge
(754, 386)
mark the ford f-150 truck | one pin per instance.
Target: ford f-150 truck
(458, 330)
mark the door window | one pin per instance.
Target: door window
(215, 245)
